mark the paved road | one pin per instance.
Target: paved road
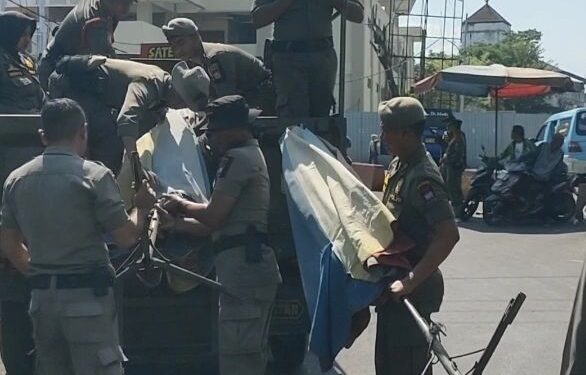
(487, 269)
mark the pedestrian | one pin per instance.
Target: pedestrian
(453, 163)
(520, 147)
(140, 93)
(237, 217)
(59, 244)
(373, 149)
(88, 29)
(303, 61)
(415, 194)
(20, 91)
(232, 71)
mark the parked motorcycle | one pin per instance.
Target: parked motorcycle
(480, 186)
(537, 200)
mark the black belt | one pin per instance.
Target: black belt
(230, 242)
(74, 281)
(303, 46)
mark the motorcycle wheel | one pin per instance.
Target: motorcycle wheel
(563, 207)
(470, 206)
(490, 212)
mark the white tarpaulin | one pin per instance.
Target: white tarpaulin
(355, 221)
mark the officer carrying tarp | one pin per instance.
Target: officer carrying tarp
(140, 92)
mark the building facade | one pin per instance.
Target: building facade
(485, 26)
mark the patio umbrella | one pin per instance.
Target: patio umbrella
(499, 81)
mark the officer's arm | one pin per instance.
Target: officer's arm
(265, 12)
(97, 37)
(445, 237)
(13, 247)
(214, 214)
(353, 9)
(138, 97)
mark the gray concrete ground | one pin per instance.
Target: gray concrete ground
(488, 267)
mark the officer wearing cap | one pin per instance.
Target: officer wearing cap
(453, 163)
(237, 217)
(59, 244)
(87, 29)
(140, 92)
(232, 71)
(304, 61)
(416, 196)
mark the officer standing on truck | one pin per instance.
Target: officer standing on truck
(303, 61)
(87, 29)
(237, 216)
(232, 71)
(453, 163)
(20, 92)
(58, 242)
(140, 92)
(416, 196)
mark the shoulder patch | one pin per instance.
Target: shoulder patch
(224, 166)
(215, 71)
(426, 191)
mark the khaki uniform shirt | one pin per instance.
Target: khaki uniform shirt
(305, 19)
(63, 205)
(232, 71)
(20, 91)
(243, 174)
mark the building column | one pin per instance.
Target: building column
(144, 11)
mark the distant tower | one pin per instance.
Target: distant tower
(485, 26)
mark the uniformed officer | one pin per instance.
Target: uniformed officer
(304, 61)
(87, 29)
(20, 91)
(231, 70)
(59, 244)
(416, 196)
(453, 163)
(140, 92)
(237, 216)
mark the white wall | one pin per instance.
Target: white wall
(488, 33)
(478, 126)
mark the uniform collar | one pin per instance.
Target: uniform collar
(59, 150)
(419, 154)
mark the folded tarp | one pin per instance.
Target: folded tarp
(341, 230)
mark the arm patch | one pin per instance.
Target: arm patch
(426, 191)
(224, 166)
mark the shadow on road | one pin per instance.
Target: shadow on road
(478, 225)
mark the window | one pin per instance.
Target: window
(541, 134)
(564, 123)
(581, 123)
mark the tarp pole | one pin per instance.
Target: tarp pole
(496, 122)
(342, 76)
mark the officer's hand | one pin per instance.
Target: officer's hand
(145, 197)
(166, 220)
(172, 203)
(402, 287)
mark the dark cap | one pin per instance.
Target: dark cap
(401, 111)
(180, 27)
(229, 112)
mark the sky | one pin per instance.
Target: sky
(562, 22)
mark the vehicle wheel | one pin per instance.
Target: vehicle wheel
(490, 212)
(470, 206)
(288, 351)
(563, 207)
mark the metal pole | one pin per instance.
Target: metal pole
(342, 77)
(496, 122)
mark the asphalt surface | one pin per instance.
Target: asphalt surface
(487, 268)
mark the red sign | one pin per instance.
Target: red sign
(156, 51)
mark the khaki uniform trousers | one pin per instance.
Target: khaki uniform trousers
(304, 83)
(244, 324)
(75, 332)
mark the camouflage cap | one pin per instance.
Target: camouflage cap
(180, 27)
(401, 111)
